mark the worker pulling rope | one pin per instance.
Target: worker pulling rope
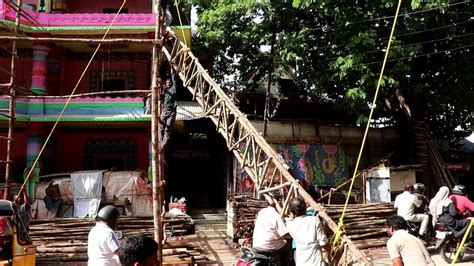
(340, 226)
(69, 99)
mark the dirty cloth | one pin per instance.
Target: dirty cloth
(87, 192)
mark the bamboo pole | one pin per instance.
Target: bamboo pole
(274, 188)
(11, 109)
(155, 134)
(83, 40)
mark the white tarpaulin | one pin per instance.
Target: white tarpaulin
(120, 186)
(86, 190)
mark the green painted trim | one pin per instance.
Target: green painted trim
(40, 58)
(38, 90)
(83, 28)
(81, 119)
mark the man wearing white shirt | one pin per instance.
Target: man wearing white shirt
(269, 234)
(308, 233)
(406, 203)
(102, 245)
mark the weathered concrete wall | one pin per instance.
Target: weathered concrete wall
(379, 143)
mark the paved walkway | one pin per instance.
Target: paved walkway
(212, 239)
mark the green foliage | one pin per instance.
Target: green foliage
(298, 153)
(338, 49)
(318, 172)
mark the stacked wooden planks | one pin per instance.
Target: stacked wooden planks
(245, 211)
(365, 226)
(64, 240)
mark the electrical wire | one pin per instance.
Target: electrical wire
(407, 14)
(410, 57)
(348, 23)
(433, 29)
(412, 33)
(406, 45)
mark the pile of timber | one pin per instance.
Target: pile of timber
(178, 225)
(245, 211)
(64, 240)
(365, 225)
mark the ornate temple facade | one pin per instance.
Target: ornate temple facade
(97, 130)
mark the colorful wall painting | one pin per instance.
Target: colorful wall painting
(312, 164)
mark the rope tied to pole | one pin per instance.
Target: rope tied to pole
(340, 225)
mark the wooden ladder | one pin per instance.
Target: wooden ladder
(266, 167)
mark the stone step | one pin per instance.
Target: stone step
(210, 227)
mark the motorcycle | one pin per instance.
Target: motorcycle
(250, 257)
(414, 228)
(448, 244)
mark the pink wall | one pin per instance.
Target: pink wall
(72, 145)
(74, 68)
(23, 71)
(69, 155)
(96, 6)
(19, 150)
(63, 82)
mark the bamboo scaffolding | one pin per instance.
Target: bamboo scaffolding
(157, 152)
(11, 108)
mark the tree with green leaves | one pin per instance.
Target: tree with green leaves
(336, 49)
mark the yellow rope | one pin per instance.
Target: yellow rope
(340, 225)
(69, 98)
(468, 231)
(181, 23)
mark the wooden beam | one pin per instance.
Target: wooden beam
(274, 188)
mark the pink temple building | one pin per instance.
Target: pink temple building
(99, 131)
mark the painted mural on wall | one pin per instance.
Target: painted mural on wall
(312, 164)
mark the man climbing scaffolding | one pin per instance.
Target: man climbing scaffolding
(168, 113)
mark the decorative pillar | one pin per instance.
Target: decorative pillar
(33, 147)
(40, 69)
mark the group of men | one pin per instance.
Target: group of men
(271, 235)
(452, 210)
(104, 249)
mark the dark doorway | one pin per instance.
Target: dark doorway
(197, 163)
